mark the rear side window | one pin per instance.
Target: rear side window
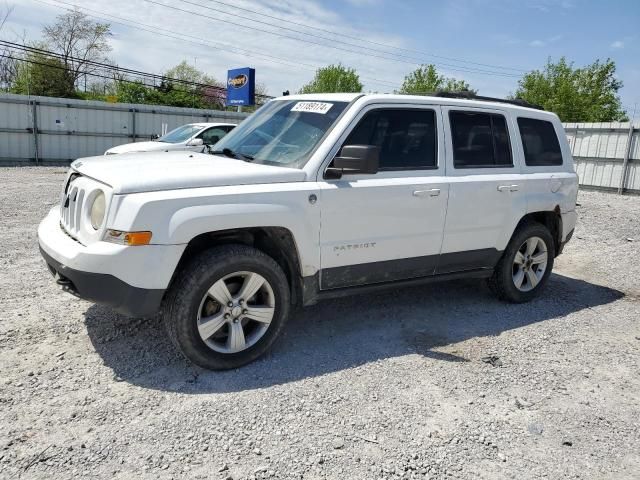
(540, 142)
(480, 140)
(406, 137)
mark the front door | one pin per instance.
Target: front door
(386, 226)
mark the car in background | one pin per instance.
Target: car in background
(191, 137)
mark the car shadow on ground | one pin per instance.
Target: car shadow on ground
(339, 334)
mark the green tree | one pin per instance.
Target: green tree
(334, 79)
(188, 73)
(172, 91)
(39, 74)
(426, 79)
(179, 94)
(79, 42)
(587, 94)
(137, 92)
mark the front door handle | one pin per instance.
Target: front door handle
(504, 188)
(514, 188)
(434, 192)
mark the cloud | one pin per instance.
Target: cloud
(546, 6)
(545, 42)
(364, 3)
(618, 44)
(218, 45)
(505, 39)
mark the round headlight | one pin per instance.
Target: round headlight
(98, 210)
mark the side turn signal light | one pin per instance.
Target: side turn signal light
(127, 238)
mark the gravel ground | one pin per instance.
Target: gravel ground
(440, 381)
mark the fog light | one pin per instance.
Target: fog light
(127, 238)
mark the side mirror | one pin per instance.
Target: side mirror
(195, 142)
(355, 159)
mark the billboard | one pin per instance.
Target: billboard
(241, 86)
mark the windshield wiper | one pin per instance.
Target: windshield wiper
(230, 153)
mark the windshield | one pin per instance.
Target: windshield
(180, 134)
(282, 132)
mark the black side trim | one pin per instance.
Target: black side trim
(106, 289)
(311, 294)
(378, 272)
(469, 260)
(407, 268)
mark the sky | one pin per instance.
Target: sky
(488, 43)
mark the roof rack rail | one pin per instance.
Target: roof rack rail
(472, 96)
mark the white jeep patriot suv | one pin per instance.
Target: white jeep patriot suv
(314, 197)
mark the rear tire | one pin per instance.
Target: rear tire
(227, 307)
(525, 266)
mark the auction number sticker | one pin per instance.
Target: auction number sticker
(313, 107)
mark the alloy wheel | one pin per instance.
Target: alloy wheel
(236, 312)
(530, 264)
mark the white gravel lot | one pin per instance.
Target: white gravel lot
(394, 385)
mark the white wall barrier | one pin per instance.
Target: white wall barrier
(53, 131)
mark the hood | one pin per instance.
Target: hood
(151, 172)
(141, 147)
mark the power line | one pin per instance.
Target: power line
(235, 7)
(59, 67)
(196, 40)
(152, 29)
(200, 14)
(364, 40)
(114, 69)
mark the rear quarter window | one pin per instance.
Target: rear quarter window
(540, 142)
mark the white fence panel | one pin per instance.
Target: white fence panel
(604, 153)
(43, 130)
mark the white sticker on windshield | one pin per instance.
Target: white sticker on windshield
(314, 107)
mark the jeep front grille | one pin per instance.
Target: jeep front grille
(71, 208)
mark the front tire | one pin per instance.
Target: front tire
(525, 266)
(227, 307)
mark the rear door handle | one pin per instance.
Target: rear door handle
(504, 188)
(434, 192)
(514, 188)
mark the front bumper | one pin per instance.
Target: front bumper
(105, 289)
(132, 280)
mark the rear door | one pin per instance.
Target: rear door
(386, 226)
(486, 198)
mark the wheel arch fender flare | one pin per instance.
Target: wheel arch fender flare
(552, 219)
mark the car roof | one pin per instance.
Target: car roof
(212, 124)
(324, 97)
(417, 99)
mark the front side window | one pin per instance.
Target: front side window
(540, 142)
(180, 134)
(282, 132)
(407, 137)
(480, 140)
(211, 136)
